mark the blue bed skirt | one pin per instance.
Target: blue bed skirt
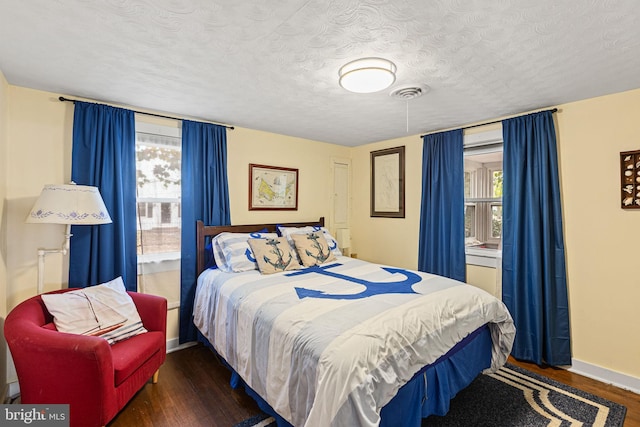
(416, 400)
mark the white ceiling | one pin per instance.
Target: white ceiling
(272, 65)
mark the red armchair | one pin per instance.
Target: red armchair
(96, 379)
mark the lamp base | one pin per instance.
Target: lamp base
(42, 253)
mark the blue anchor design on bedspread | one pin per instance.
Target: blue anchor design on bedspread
(371, 288)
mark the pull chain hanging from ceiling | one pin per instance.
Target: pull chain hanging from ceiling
(407, 93)
(407, 116)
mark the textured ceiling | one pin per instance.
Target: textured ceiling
(273, 65)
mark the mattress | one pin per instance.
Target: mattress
(333, 344)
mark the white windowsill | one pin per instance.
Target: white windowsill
(482, 257)
(158, 263)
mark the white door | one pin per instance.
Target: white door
(341, 200)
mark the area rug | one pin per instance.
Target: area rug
(515, 397)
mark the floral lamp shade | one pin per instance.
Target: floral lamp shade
(69, 204)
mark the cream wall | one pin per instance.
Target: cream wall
(311, 158)
(484, 278)
(601, 239)
(39, 147)
(4, 119)
(391, 241)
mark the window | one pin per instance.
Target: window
(483, 190)
(158, 160)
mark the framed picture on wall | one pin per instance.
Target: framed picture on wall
(387, 183)
(272, 188)
(630, 179)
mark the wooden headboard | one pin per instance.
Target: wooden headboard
(204, 231)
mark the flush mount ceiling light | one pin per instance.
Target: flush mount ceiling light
(367, 75)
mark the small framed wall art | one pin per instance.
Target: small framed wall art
(387, 183)
(272, 188)
(630, 179)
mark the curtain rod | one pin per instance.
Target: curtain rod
(553, 110)
(63, 99)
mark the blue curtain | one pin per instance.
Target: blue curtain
(205, 196)
(441, 240)
(104, 156)
(533, 259)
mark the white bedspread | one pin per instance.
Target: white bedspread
(331, 346)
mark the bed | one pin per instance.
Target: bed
(344, 342)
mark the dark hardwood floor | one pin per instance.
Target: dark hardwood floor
(193, 390)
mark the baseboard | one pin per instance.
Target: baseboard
(12, 390)
(604, 375)
(174, 345)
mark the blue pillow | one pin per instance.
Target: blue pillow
(210, 261)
